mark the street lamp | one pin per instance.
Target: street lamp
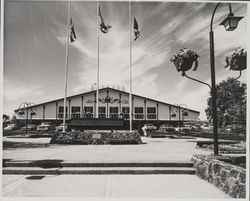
(28, 108)
(230, 23)
(181, 113)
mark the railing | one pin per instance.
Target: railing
(102, 115)
(60, 115)
(139, 116)
(113, 115)
(88, 115)
(75, 115)
(151, 116)
(125, 116)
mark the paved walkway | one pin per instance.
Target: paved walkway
(133, 186)
(152, 150)
(101, 186)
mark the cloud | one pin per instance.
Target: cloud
(14, 90)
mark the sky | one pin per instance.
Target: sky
(35, 44)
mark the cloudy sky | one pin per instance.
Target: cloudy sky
(35, 38)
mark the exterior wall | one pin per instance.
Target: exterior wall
(149, 103)
(39, 112)
(118, 99)
(50, 110)
(163, 112)
(191, 116)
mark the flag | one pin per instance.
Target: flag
(72, 32)
(136, 29)
(103, 27)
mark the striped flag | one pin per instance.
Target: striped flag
(104, 28)
(136, 30)
(72, 32)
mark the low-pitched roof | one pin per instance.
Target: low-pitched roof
(108, 88)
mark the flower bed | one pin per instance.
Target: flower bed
(229, 178)
(96, 137)
(239, 148)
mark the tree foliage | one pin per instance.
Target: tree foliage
(231, 103)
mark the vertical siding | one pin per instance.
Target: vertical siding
(162, 113)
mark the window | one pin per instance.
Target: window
(75, 112)
(102, 110)
(60, 112)
(125, 113)
(88, 110)
(139, 113)
(138, 110)
(113, 110)
(61, 108)
(125, 110)
(151, 110)
(75, 109)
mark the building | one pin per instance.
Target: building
(113, 104)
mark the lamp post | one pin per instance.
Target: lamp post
(179, 108)
(26, 107)
(230, 24)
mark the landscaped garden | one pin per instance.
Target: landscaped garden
(96, 137)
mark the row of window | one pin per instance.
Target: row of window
(102, 110)
(125, 116)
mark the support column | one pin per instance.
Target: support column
(82, 109)
(43, 111)
(120, 104)
(107, 114)
(69, 117)
(157, 111)
(56, 110)
(145, 108)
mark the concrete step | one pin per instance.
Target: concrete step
(56, 164)
(97, 170)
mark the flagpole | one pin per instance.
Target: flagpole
(66, 69)
(130, 71)
(97, 87)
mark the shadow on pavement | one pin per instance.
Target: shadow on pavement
(14, 145)
(48, 163)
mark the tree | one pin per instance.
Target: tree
(6, 119)
(231, 103)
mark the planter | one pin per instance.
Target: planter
(185, 64)
(238, 60)
(184, 59)
(96, 138)
(239, 63)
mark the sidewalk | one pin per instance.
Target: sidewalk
(152, 150)
(103, 186)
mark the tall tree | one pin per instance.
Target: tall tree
(231, 103)
(6, 119)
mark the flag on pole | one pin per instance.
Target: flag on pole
(136, 30)
(72, 32)
(104, 28)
